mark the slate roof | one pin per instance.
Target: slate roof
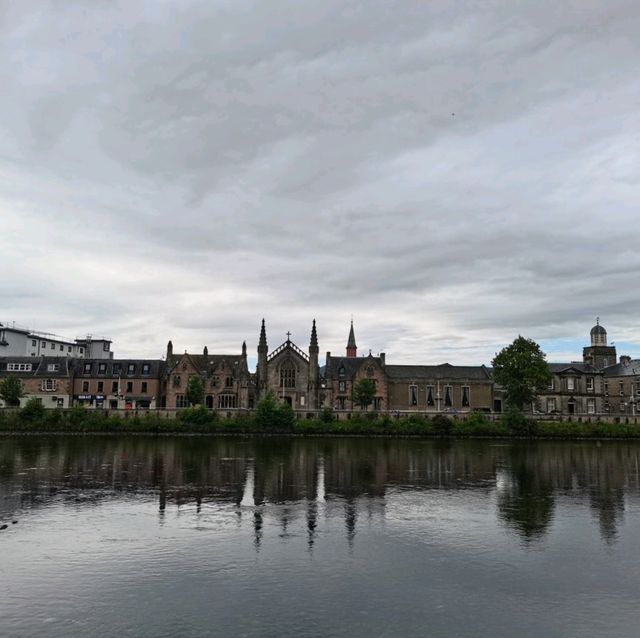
(351, 365)
(156, 367)
(206, 362)
(40, 367)
(631, 368)
(442, 371)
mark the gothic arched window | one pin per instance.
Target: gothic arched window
(288, 377)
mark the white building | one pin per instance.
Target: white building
(22, 342)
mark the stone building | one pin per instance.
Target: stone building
(226, 379)
(49, 379)
(288, 372)
(117, 384)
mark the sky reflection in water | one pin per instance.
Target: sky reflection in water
(317, 537)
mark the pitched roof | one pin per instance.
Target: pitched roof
(578, 366)
(442, 371)
(206, 362)
(60, 366)
(351, 365)
(628, 369)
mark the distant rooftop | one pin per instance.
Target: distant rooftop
(51, 335)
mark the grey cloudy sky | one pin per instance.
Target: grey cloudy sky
(449, 173)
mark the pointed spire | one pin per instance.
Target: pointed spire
(352, 349)
(205, 351)
(169, 349)
(262, 343)
(314, 335)
(244, 348)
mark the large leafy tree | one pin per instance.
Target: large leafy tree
(11, 390)
(363, 393)
(521, 369)
(195, 390)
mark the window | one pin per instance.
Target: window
(100, 386)
(447, 396)
(228, 382)
(589, 384)
(571, 384)
(61, 348)
(131, 368)
(43, 344)
(430, 400)
(102, 368)
(341, 403)
(342, 386)
(53, 346)
(413, 395)
(114, 387)
(227, 401)
(606, 388)
(85, 386)
(465, 396)
(59, 402)
(551, 404)
(181, 401)
(342, 372)
(288, 377)
(369, 371)
(19, 367)
(87, 368)
(53, 367)
(81, 350)
(105, 346)
(551, 384)
(143, 387)
(591, 406)
(177, 381)
(215, 381)
(377, 403)
(621, 388)
(146, 368)
(49, 385)
(69, 349)
(34, 343)
(129, 387)
(116, 369)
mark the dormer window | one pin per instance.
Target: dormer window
(342, 372)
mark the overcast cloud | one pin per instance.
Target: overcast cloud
(449, 173)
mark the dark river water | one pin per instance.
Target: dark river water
(198, 536)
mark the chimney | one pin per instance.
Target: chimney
(382, 359)
(625, 360)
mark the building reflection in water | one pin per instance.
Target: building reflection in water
(308, 482)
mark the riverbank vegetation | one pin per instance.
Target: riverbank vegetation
(273, 417)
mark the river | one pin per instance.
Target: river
(222, 536)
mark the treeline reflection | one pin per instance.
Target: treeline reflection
(529, 480)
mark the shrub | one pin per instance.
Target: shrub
(442, 425)
(518, 424)
(33, 411)
(198, 416)
(274, 416)
(327, 415)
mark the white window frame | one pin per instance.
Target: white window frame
(49, 385)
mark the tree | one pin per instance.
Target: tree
(363, 392)
(11, 391)
(195, 390)
(521, 369)
(275, 415)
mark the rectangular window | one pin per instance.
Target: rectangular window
(465, 396)
(571, 384)
(117, 369)
(53, 367)
(33, 343)
(589, 384)
(413, 395)
(53, 346)
(430, 394)
(341, 403)
(591, 406)
(129, 387)
(105, 346)
(146, 368)
(177, 381)
(87, 368)
(228, 382)
(19, 367)
(131, 368)
(61, 348)
(342, 386)
(447, 396)
(81, 350)
(49, 385)
(69, 349)
(181, 402)
(102, 368)
(606, 387)
(551, 384)
(143, 387)
(85, 386)
(43, 344)
(551, 404)
(227, 401)
(114, 387)
(621, 388)
(215, 381)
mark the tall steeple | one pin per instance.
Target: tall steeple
(314, 371)
(352, 349)
(261, 371)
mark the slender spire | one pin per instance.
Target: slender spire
(263, 336)
(352, 349)
(205, 351)
(244, 348)
(314, 336)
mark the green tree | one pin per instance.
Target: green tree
(363, 392)
(272, 414)
(11, 391)
(521, 369)
(195, 390)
